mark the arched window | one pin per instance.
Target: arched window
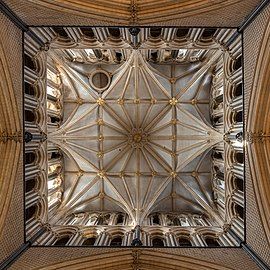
(220, 183)
(54, 169)
(157, 242)
(219, 99)
(29, 89)
(176, 221)
(156, 220)
(198, 221)
(184, 221)
(216, 169)
(154, 56)
(238, 117)
(239, 157)
(116, 242)
(184, 242)
(155, 32)
(55, 155)
(62, 241)
(30, 157)
(220, 174)
(118, 56)
(55, 119)
(238, 90)
(92, 220)
(238, 63)
(87, 31)
(60, 31)
(29, 62)
(239, 184)
(217, 119)
(208, 33)
(114, 32)
(100, 221)
(103, 220)
(30, 184)
(239, 210)
(89, 241)
(54, 182)
(30, 211)
(120, 219)
(211, 242)
(217, 155)
(29, 116)
(182, 32)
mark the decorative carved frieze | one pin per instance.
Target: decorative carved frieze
(136, 259)
(133, 12)
(15, 136)
(252, 137)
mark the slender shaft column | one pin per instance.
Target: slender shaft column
(125, 239)
(98, 241)
(107, 239)
(197, 240)
(172, 239)
(167, 240)
(130, 237)
(75, 239)
(147, 239)
(103, 239)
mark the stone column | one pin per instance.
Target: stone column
(76, 239)
(197, 240)
(172, 239)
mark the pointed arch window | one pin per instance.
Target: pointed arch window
(62, 241)
(29, 62)
(88, 31)
(29, 89)
(30, 212)
(29, 116)
(184, 242)
(120, 219)
(155, 32)
(30, 184)
(208, 33)
(211, 241)
(156, 219)
(115, 32)
(89, 241)
(116, 242)
(157, 242)
(60, 31)
(182, 32)
(30, 157)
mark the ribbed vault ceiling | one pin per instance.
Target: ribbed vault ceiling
(141, 145)
(126, 12)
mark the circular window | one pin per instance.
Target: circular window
(100, 80)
